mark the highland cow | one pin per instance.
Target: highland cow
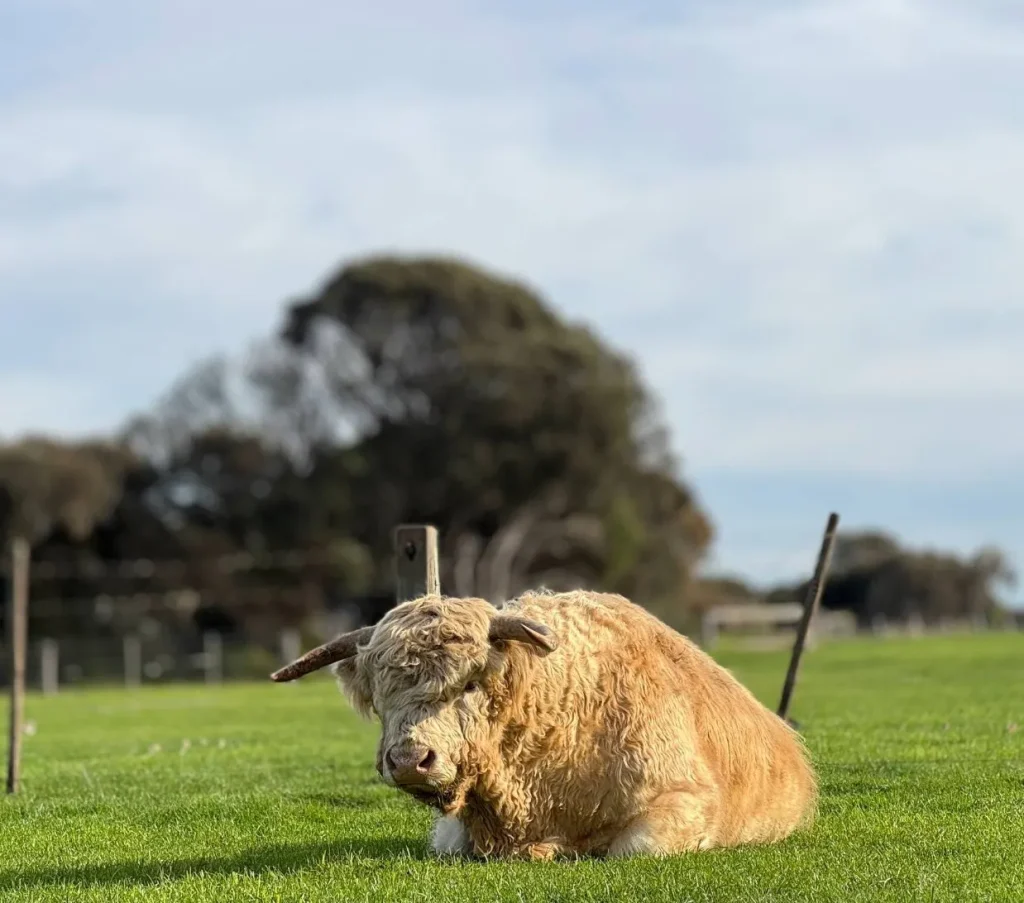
(567, 723)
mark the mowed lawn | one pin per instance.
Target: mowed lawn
(267, 792)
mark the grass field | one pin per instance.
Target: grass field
(268, 792)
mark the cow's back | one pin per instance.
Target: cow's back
(643, 710)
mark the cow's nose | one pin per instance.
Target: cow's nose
(410, 764)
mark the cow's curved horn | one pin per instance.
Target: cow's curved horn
(336, 650)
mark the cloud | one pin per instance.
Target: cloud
(803, 218)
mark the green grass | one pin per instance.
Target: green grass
(268, 793)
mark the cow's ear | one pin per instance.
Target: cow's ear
(517, 629)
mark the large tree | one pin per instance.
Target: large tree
(427, 389)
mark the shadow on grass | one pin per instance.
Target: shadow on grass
(341, 801)
(279, 858)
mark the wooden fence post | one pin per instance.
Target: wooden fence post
(49, 666)
(291, 645)
(132, 661)
(813, 598)
(417, 572)
(18, 624)
(708, 635)
(213, 657)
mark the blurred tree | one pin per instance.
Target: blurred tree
(478, 409)
(874, 577)
(56, 494)
(431, 390)
(856, 551)
(47, 485)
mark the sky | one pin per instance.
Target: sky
(805, 220)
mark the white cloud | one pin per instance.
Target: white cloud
(804, 217)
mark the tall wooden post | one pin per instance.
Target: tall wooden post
(811, 601)
(18, 624)
(417, 572)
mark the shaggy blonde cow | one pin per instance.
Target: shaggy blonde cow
(568, 723)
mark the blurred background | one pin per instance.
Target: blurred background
(627, 299)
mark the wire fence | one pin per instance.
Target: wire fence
(265, 615)
(186, 627)
(135, 659)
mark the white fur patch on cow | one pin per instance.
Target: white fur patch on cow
(636, 840)
(450, 837)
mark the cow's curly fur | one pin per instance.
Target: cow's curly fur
(626, 739)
